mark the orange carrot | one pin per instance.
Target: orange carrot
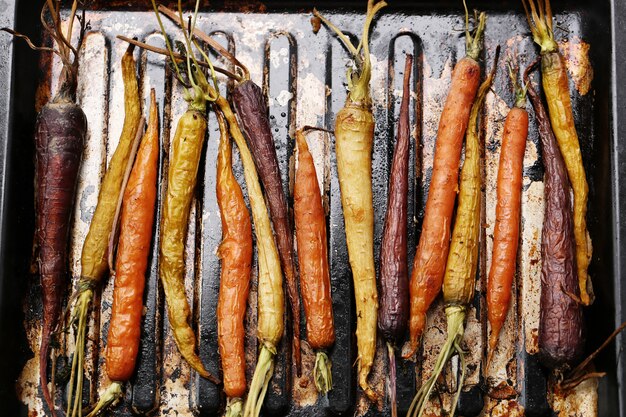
(313, 262)
(432, 252)
(235, 252)
(508, 209)
(136, 221)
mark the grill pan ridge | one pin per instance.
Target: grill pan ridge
(303, 77)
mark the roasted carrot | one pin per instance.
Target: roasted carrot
(429, 262)
(271, 308)
(561, 324)
(184, 161)
(251, 109)
(94, 263)
(134, 246)
(354, 136)
(60, 133)
(556, 89)
(508, 210)
(393, 313)
(310, 220)
(460, 273)
(235, 252)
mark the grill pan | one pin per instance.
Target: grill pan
(304, 80)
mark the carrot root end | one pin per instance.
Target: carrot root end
(392, 380)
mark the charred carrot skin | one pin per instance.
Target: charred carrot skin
(249, 104)
(508, 211)
(134, 246)
(561, 324)
(235, 252)
(432, 251)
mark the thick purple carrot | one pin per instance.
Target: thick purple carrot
(561, 325)
(60, 132)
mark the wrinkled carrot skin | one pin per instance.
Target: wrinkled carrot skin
(561, 324)
(354, 134)
(556, 89)
(393, 313)
(235, 252)
(312, 244)
(59, 139)
(134, 246)
(181, 183)
(249, 104)
(95, 249)
(508, 210)
(432, 252)
(271, 301)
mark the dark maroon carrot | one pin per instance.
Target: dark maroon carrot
(393, 312)
(561, 324)
(60, 132)
(252, 113)
(249, 104)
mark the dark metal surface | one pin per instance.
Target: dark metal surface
(303, 76)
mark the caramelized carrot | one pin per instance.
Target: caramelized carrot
(556, 89)
(313, 262)
(354, 133)
(508, 209)
(60, 132)
(460, 275)
(136, 226)
(393, 313)
(432, 251)
(235, 252)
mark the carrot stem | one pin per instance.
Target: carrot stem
(322, 373)
(110, 396)
(455, 317)
(234, 407)
(74, 408)
(262, 375)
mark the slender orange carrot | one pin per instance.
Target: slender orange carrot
(508, 209)
(313, 262)
(429, 263)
